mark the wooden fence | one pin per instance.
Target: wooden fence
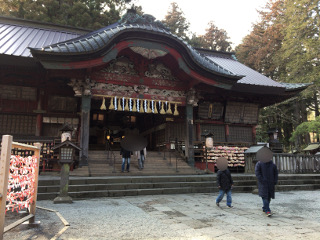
(296, 163)
(288, 163)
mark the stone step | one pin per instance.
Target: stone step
(155, 164)
(93, 187)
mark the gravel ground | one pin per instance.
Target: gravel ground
(183, 216)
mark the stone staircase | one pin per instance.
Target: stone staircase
(108, 163)
(126, 185)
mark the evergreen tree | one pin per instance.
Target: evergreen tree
(216, 39)
(91, 14)
(300, 53)
(284, 46)
(176, 21)
(259, 49)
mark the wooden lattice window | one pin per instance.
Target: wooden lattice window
(240, 134)
(18, 92)
(17, 124)
(62, 104)
(211, 110)
(217, 130)
(237, 112)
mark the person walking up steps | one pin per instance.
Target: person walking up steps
(141, 157)
(126, 155)
(225, 184)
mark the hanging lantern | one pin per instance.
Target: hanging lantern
(162, 111)
(169, 111)
(176, 113)
(111, 107)
(103, 105)
(126, 108)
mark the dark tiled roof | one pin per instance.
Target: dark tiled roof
(16, 37)
(295, 86)
(97, 40)
(251, 76)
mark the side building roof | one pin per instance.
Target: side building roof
(17, 35)
(251, 77)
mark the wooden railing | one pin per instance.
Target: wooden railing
(296, 163)
(288, 163)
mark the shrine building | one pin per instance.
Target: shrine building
(131, 76)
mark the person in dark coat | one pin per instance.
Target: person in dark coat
(225, 184)
(267, 174)
(126, 155)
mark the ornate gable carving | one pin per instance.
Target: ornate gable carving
(160, 71)
(121, 65)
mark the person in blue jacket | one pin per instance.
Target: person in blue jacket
(267, 174)
(225, 184)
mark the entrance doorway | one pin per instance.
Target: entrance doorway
(109, 126)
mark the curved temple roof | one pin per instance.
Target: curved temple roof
(18, 36)
(131, 22)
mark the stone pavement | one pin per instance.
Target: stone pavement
(183, 216)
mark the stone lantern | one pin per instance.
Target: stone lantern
(66, 156)
(66, 132)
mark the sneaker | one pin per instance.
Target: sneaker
(217, 204)
(230, 206)
(268, 214)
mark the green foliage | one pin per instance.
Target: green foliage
(306, 128)
(258, 50)
(284, 45)
(91, 14)
(176, 21)
(216, 39)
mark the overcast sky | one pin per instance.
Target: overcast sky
(234, 16)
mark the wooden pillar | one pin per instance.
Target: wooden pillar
(39, 124)
(189, 148)
(198, 132)
(227, 132)
(4, 175)
(84, 129)
(254, 133)
(39, 113)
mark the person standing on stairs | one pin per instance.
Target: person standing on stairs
(141, 157)
(126, 155)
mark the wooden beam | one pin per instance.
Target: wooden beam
(17, 223)
(32, 208)
(4, 175)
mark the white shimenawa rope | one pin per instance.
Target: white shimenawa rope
(130, 107)
(152, 106)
